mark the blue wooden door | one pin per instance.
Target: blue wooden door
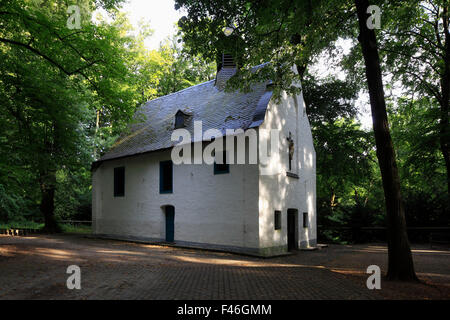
(170, 223)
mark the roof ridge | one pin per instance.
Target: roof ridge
(254, 68)
(170, 94)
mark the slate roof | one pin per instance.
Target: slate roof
(216, 108)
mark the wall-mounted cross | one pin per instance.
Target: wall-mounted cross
(291, 149)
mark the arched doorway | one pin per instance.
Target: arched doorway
(170, 223)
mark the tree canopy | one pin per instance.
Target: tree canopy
(66, 93)
(65, 96)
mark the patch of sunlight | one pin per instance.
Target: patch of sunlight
(430, 251)
(433, 275)
(378, 249)
(241, 263)
(347, 271)
(53, 253)
(122, 252)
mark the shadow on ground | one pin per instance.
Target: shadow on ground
(35, 268)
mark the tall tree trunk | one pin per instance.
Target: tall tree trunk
(97, 127)
(401, 265)
(445, 88)
(47, 206)
(301, 69)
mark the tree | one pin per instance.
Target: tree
(415, 133)
(65, 96)
(343, 149)
(52, 78)
(281, 32)
(287, 33)
(400, 259)
(181, 70)
(416, 45)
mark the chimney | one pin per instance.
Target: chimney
(227, 70)
(228, 61)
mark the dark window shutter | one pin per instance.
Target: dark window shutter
(119, 182)
(166, 177)
(277, 217)
(305, 219)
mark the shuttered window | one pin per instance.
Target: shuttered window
(277, 222)
(166, 177)
(305, 219)
(119, 182)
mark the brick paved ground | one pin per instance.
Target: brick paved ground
(35, 268)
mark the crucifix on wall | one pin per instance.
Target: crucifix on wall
(291, 150)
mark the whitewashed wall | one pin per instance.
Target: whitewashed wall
(280, 192)
(209, 209)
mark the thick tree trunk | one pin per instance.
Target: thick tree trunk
(445, 89)
(97, 127)
(444, 133)
(47, 207)
(401, 265)
(301, 71)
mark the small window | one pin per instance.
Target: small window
(277, 217)
(305, 219)
(224, 167)
(166, 177)
(119, 182)
(179, 120)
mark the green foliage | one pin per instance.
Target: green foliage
(71, 228)
(23, 224)
(73, 195)
(66, 95)
(11, 205)
(28, 224)
(181, 70)
(415, 130)
(281, 33)
(347, 175)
